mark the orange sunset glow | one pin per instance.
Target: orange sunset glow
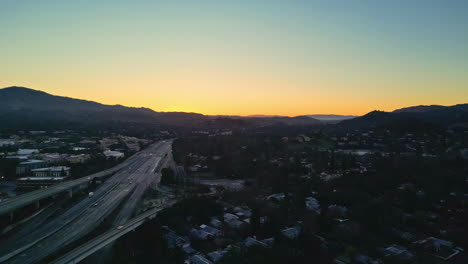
(237, 59)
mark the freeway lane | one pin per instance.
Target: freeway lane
(30, 197)
(14, 245)
(82, 218)
(105, 239)
(145, 178)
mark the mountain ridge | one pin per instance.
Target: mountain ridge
(20, 105)
(413, 118)
(418, 109)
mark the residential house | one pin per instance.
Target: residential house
(291, 232)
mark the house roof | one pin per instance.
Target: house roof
(40, 178)
(54, 169)
(199, 259)
(31, 162)
(291, 232)
(216, 255)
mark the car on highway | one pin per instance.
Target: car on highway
(119, 227)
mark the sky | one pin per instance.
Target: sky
(240, 57)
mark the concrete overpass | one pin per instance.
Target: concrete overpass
(123, 187)
(90, 247)
(20, 201)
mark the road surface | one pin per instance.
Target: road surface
(31, 197)
(85, 216)
(105, 239)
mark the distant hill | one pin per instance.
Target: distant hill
(413, 118)
(419, 109)
(289, 121)
(317, 117)
(264, 121)
(332, 117)
(265, 116)
(23, 108)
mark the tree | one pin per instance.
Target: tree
(8, 168)
(255, 220)
(167, 176)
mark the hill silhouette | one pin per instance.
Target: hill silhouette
(24, 107)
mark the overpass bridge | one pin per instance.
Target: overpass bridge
(20, 201)
(130, 180)
(90, 247)
(10, 205)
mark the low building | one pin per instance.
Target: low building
(199, 259)
(25, 167)
(7, 142)
(337, 210)
(216, 256)
(210, 230)
(200, 234)
(312, 204)
(269, 241)
(105, 143)
(229, 216)
(81, 158)
(438, 248)
(173, 240)
(291, 232)
(15, 157)
(37, 132)
(278, 197)
(187, 249)
(364, 259)
(59, 171)
(404, 235)
(43, 177)
(233, 221)
(399, 252)
(251, 241)
(302, 138)
(216, 223)
(52, 157)
(24, 152)
(88, 142)
(79, 149)
(27, 183)
(243, 212)
(235, 224)
(113, 154)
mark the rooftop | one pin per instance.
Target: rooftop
(58, 168)
(40, 178)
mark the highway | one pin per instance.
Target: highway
(31, 197)
(130, 205)
(105, 239)
(129, 183)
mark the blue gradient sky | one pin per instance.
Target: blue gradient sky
(240, 57)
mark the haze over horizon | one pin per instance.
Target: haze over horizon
(327, 116)
(240, 58)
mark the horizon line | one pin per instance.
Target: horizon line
(239, 115)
